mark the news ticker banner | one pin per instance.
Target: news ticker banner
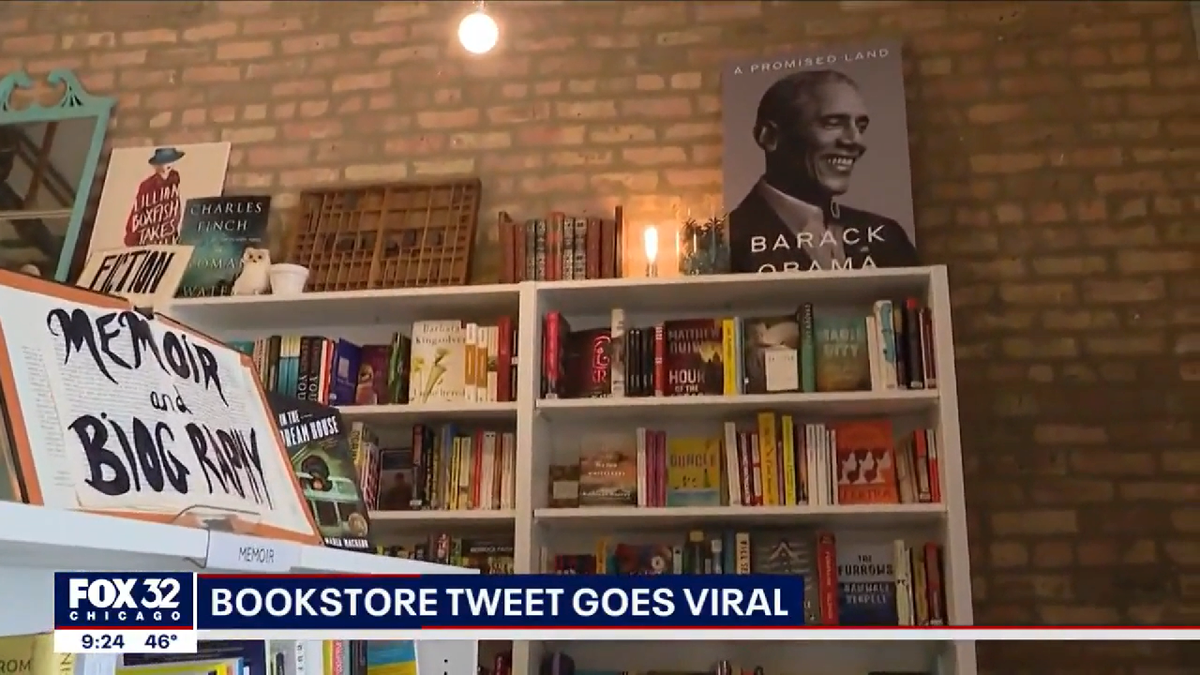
(139, 612)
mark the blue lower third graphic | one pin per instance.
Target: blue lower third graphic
(117, 600)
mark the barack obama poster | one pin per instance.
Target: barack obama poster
(816, 170)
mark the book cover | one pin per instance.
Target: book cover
(608, 470)
(146, 187)
(791, 554)
(838, 193)
(866, 584)
(319, 447)
(398, 363)
(226, 233)
(364, 451)
(391, 657)
(694, 362)
(373, 368)
(438, 370)
(251, 653)
(865, 462)
(396, 479)
(586, 361)
(843, 361)
(28, 655)
(693, 472)
(769, 354)
(643, 559)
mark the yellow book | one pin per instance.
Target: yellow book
(788, 432)
(729, 356)
(769, 458)
(223, 667)
(29, 655)
(694, 472)
(391, 657)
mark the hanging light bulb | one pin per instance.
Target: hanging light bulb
(478, 32)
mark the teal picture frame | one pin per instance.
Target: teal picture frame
(75, 103)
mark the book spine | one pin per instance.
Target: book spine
(787, 433)
(580, 226)
(568, 249)
(732, 478)
(874, 353)
(769, 458)
(901, 342)
(608, 249)
(746, 490)
(594, 236)
(419, 460)
(933, 580)
(540, 250)
(921, 453)
(633, 352)
(912, 334)
(742, 544)
(273, 362)
(529, 236)
(928, 360)
(554, 251)
(827, 583)
(643, 468)
(507, 249)
(504, 359)
(808, 349)
(303, 376)
(900, 562)
(660, 360)
(935, 470)
(617, 356)
(729, 358)
(756, 468)
(887, 340)
(648, 362)
(551, 360)
(920, 587)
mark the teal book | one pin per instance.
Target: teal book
(843, 361)
(226, 233)
(391, 657)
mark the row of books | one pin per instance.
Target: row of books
(782, 463)
(447, 468)
(811, 350)
(778, 463)
(560, 247)
(849, 580)
(443, 362)
(489, 556)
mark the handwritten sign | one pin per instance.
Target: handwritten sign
(125, 414)
(144, 275)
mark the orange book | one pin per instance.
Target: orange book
(866, 463)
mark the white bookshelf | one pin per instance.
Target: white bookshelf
(547, 431)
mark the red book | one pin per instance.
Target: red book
(504, 354)
(827, 583)
(552, 353)
(935, 471)
(933, 584)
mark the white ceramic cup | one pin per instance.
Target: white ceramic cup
(288, 279)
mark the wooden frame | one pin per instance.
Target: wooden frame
(75, 103)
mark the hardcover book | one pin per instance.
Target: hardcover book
(693, 472)
(319, 447)
(770, 354)
(607, 470)
(866, 584)
(865, 460)
(792, 554)
(586, 362)
(438, 371)
(221, 230)
(374, 365)
(397, 477)
(693, 358)
(843, 360)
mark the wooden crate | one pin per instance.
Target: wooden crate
(399, 235)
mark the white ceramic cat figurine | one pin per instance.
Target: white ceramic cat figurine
(255, 277)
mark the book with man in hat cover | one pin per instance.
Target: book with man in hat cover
(146, 188)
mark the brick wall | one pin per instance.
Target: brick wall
(1056, 158)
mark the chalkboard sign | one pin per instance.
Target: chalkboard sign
(146, 276)
(115, 412)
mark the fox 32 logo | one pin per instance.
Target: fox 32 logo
(118, 600)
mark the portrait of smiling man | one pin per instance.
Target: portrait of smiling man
(812, 129)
